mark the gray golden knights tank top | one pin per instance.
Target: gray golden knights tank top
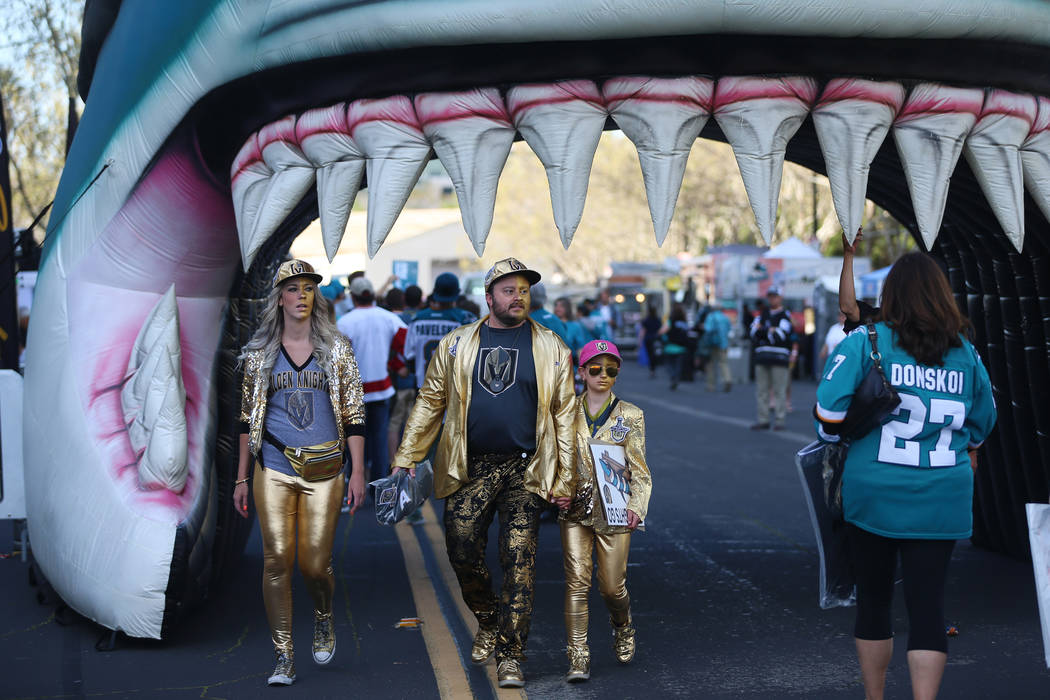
(298, 410)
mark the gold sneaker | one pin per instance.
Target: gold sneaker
(484, 645)
(623, 642)
(579, 664)
(324, 639)
(509, 673)
(284, 671)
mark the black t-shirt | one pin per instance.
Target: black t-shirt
(867, 313)
(502, 414)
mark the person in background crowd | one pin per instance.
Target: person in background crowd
(716, 338)
(413, 302)
(538, 295)
(907, 486)
(400, 373)
(771, 339)
(394, 302)
(372, 330)
(609, 313)
(585, 532)
(651, 326)
(675, 337)
(502, 386)
(301, 385)
(573, 330)
(469, 306)
(592, 320)
(835, 335)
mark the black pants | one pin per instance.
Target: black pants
(924, 567)
(497, 484)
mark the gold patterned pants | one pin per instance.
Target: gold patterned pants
(497, 485)
(578, 541)
(294, 513)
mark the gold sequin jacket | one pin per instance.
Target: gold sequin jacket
(446, 393)
(586, 508)
(344, 389)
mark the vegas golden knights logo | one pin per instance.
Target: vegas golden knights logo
(498, 369)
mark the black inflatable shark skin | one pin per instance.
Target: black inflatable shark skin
(215, 130)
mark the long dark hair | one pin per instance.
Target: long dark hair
(918, 305)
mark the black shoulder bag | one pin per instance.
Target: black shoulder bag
(873, 400)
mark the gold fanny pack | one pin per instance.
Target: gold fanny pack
(312, 462)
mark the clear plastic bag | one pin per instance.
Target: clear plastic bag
(837, 582)
(400, 495)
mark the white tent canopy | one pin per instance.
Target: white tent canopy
(791, 248)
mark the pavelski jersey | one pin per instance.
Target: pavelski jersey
(427, 329)
(918, 456)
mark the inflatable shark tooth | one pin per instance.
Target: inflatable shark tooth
(249, 177)
(340, 164)
(154, 400)
(758, 116)
(993, 152)
(662, 117)
(472, 135)
(562, 123)
(852, 119)
(930, 131)
(1035, 158)
(293, 176)
(388, 133)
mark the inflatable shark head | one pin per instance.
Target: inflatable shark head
(214, 130)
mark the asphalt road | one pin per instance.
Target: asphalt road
(723, 587)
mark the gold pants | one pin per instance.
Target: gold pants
(296, 512)
(577, 542)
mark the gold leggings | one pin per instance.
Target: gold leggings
(577, 542)
(286, 503)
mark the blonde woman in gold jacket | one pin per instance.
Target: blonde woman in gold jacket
(499, 457)
(601, 417)
(301, 385)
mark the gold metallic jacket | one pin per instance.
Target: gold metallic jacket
(446, 393)
(585, 508)
(344, 389)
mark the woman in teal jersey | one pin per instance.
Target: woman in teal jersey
(907, 487)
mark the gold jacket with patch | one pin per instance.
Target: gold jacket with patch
(585, 508)
(344, 389)
(446, 393)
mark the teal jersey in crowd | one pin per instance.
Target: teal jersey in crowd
(911, 478)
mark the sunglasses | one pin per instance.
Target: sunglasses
(610, 372)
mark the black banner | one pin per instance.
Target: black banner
(9, 334)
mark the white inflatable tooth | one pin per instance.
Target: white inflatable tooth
(852, 119)
(662, 117)
(562, 123)
(249, 176)
(293, 176)
(325, 141)
(758, 116)
(388, 133)
(471, 134)
(1035, 158)
(153, 399)
(993, 152)
(930, 131)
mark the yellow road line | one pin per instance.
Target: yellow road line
(436, 537)
(448, 671)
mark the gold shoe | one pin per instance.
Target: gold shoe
(579, 664)
(284, 671)
(623, 642)
(324, 639)
(509, 673)
(484, 645)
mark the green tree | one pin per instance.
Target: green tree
(38, 71)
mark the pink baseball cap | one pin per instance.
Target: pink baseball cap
(599, 347)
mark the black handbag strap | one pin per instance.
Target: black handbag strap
(876, 356)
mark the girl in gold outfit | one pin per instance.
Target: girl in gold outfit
(301, 389)
(602, 417)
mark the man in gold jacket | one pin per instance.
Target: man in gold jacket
(504, 387)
